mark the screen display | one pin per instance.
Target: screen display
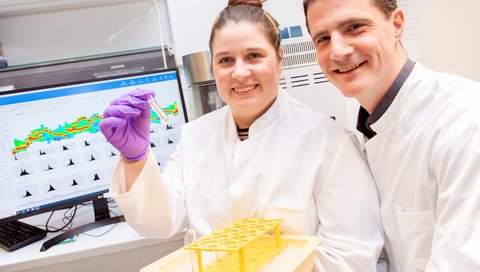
(52, 151)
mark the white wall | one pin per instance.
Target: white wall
(451, 36)
(191, 22)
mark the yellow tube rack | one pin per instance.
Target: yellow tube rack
(244, 243)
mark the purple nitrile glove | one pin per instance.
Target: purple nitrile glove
(126, 124)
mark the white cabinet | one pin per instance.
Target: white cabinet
(33, 31)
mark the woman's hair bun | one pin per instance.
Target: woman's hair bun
(257, 3)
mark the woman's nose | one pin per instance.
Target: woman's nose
(241, 70)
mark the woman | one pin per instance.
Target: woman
(263, 155)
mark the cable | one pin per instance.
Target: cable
(67, 224)
(68, 218)
(105, 232)
(161, 34)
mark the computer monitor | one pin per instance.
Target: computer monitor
(53, 154)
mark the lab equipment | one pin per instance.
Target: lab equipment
(190, 237)
(158, 110)
(3, 59)
(16, 234)
(201, 83)
(241, 242)
(53, 154)
(247, 247)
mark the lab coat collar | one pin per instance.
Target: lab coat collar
(268, 118)
(365, 120)
(400, 106)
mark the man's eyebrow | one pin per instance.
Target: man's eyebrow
(342, 24)
(317, 35)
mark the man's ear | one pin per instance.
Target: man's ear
(398, 20)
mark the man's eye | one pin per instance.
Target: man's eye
(322, 40)
(354, 26)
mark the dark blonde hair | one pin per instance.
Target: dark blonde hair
(248, 11)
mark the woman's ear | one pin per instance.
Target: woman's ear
(280, 53)
(280, 58)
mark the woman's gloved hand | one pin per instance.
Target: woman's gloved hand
(126, 124)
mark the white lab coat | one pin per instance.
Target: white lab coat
(296, 164)
(425, 160)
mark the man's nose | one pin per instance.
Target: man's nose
(340, 47)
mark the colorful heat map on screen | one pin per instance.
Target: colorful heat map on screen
(82, 124)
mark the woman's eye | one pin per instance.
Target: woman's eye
(254, 55)
(225, 60)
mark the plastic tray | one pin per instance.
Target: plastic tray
(296, 256)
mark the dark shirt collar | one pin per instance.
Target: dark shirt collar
(365, 120)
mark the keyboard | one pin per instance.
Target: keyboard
(16, 234)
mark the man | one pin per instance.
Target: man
(421, 129)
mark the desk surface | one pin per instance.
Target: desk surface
(121, 238)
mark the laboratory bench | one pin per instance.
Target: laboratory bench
(121, 249)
